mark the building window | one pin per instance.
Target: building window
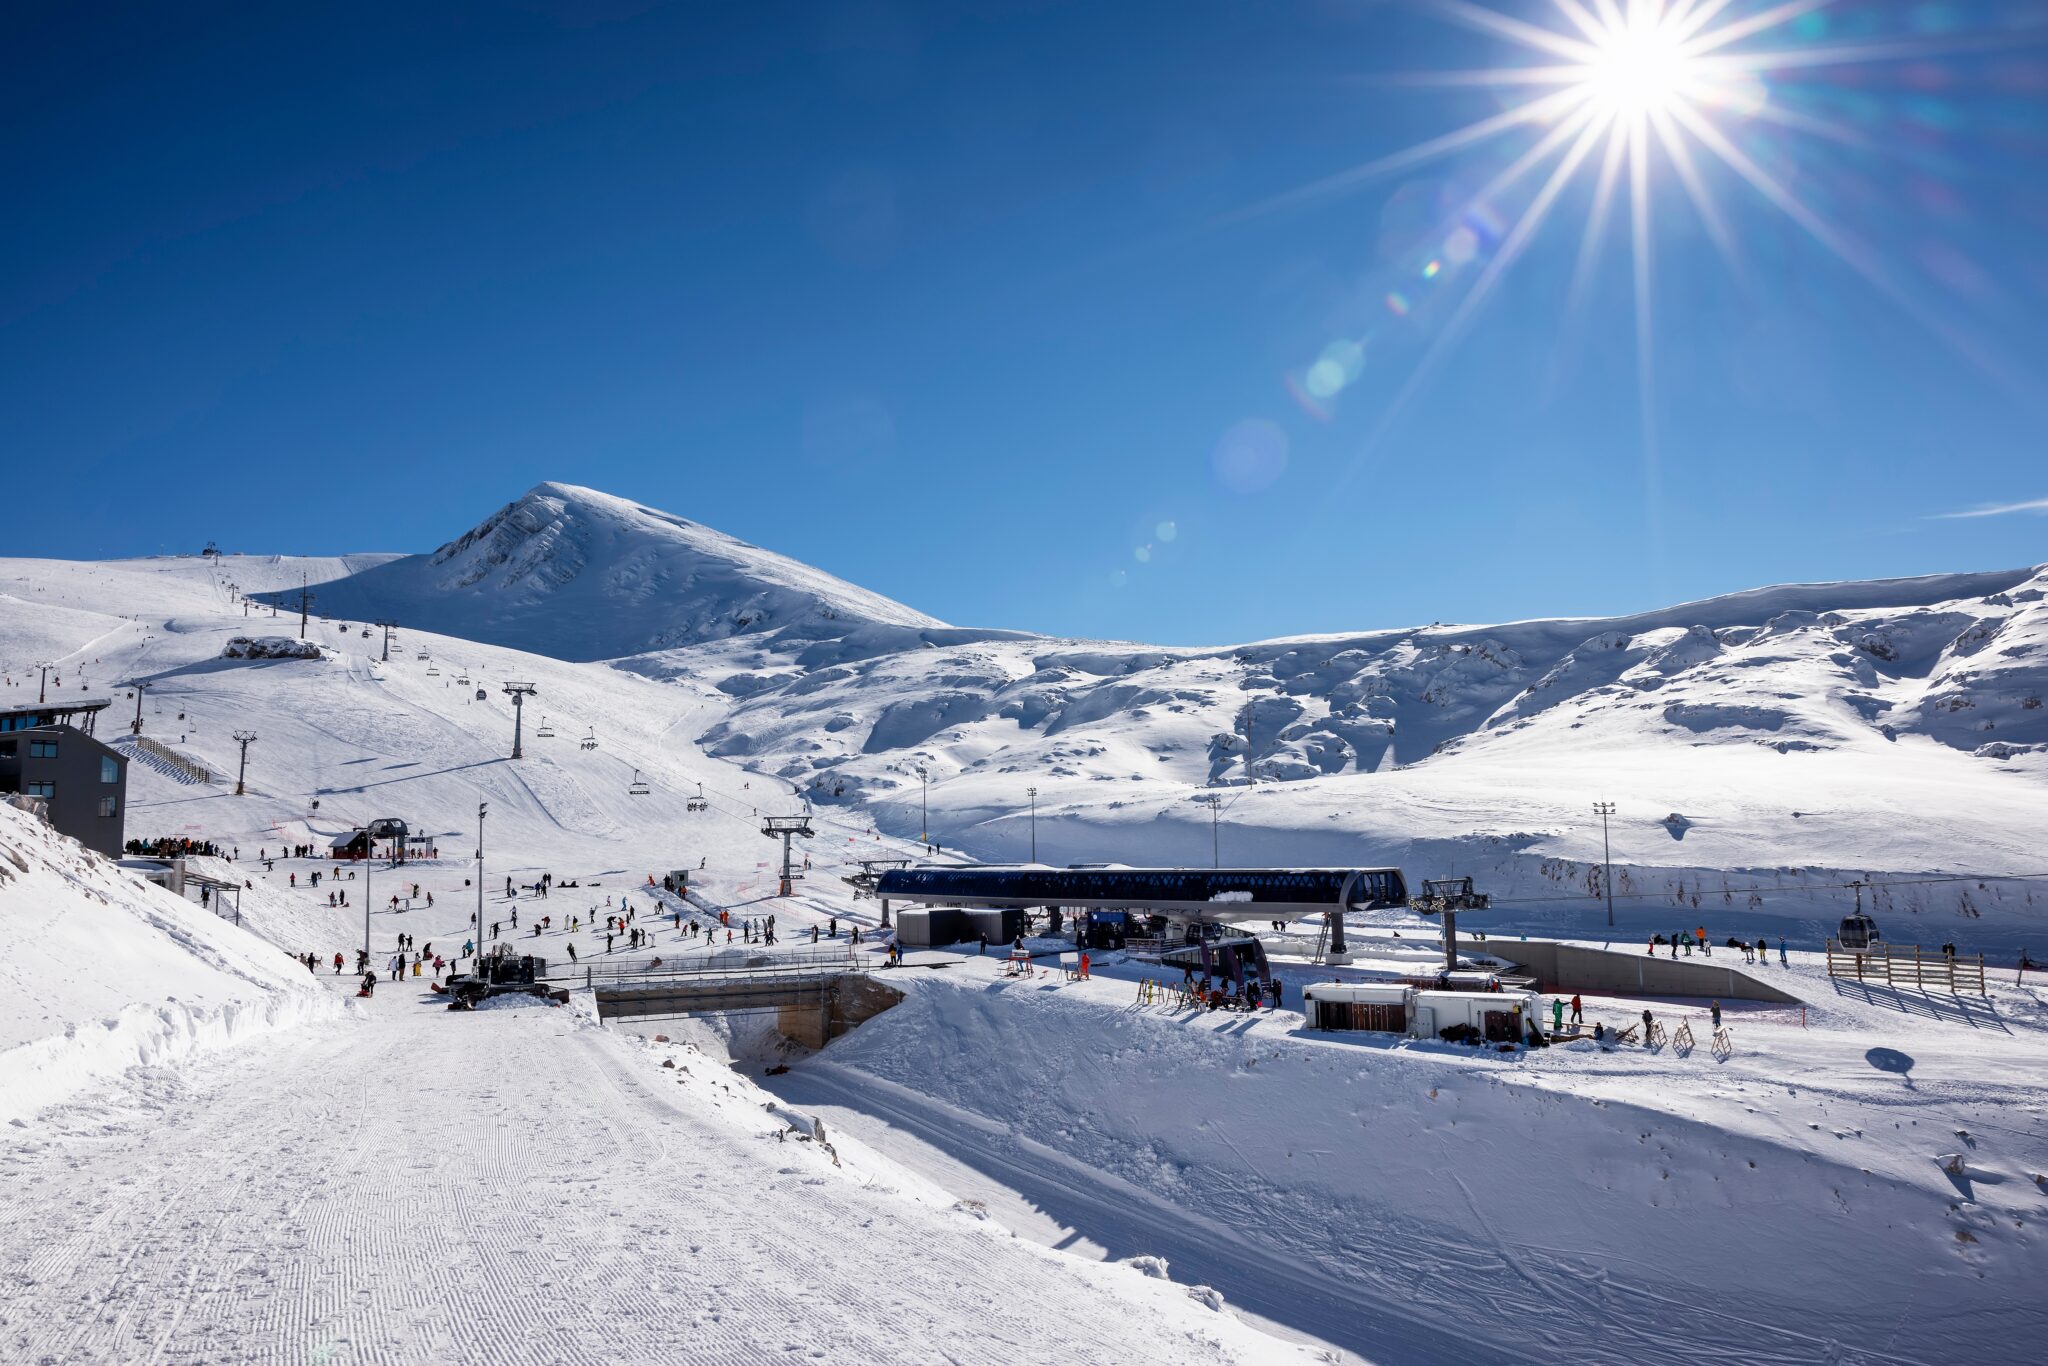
(42, 790)
(110, 771)
(109, 806)
(42, 749)
(6, 749)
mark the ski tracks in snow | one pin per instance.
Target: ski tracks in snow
(410, 1186)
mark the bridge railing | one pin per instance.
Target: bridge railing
(723, 964)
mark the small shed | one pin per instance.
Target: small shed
(1497, 1016)
(1378, 1006)
(996, 924)
(932, 927)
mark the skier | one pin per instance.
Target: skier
(572, 953)
(1577, 1017)
(337, 965)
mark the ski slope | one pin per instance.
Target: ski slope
(518, 1186)
(1763, 748)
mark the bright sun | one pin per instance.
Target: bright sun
(1638, 69)
(1621, 92)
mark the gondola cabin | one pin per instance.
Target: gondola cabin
(1858, 933)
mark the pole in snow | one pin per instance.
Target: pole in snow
(518, 692)
(924, 803)
(244, 738)
(1034, 822)
(478, 937)
(1603, 810)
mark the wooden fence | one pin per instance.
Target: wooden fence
(1901, 965)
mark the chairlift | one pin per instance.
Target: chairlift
(433, 671)
(697, 803)
(366, 633)
(421, 655)
(1858, 931)
(638, 787)
(590, 741)
(546, 731)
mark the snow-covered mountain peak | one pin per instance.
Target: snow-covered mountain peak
(580, 574)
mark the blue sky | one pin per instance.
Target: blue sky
(989, 307)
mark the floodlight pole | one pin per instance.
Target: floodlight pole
(924, 803)
(369, 857)
(1603, 810)
(244, 738)
(1215, 805)
(477, 938)
(1034, 822)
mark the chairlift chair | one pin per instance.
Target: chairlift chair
(463, 678)
(433, 671)
(638, 787)
(590, 741)
(697, 803)
(421, 655)
(546, 731)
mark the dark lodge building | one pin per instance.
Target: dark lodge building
(47, 750)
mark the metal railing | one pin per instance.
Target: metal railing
(723, 963)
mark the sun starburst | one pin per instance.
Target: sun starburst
(1628, 93)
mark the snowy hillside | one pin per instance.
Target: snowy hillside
(100, 972)
(1762, 748)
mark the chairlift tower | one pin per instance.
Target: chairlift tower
(244, 738)
(305, 602)
(518, 692)
(1446, 897)
(785, 828)
(388, 627)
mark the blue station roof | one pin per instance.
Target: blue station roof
(1213, 891)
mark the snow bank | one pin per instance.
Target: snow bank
(100, 972)
(1429, 1203)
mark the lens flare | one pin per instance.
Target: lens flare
(1628, 93)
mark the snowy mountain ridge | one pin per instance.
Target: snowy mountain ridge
(580, 575)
